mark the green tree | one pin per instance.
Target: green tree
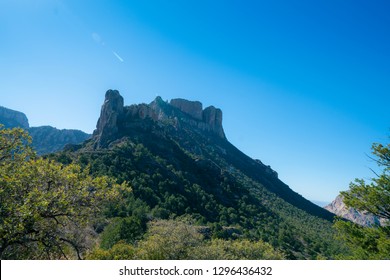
(169, 240)
(46, 209)
(120, 251)
(219, 249)
(15, 146)
(372, 197)
(128, 229)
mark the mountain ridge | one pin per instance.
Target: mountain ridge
(117, 120)
(180, 166)
(45, 139)
(115, 116)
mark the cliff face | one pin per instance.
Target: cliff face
(115, 117)
(11, 118)
(339, 208)
(192, 108)
(213, 118)
(112, 110)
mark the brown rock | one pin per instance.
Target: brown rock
(116, 119)
(339, 208)
(192, 108)
(213, 117)
(140, 111)
(111, 112)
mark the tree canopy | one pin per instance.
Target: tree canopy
(175, 240)
(372, 197)
(47, 209)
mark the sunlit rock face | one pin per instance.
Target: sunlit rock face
(116, 118)
(339, 208)
(192, 108)
(111, 112)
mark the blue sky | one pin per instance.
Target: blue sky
(303, 85)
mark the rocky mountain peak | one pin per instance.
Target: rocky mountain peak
(11, 118)
(114, 116)
(112, 110)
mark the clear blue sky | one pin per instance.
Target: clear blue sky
(303, 85)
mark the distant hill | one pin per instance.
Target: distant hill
(45, 139)
(179, 163)
(339, 208)
(48, 139)
(320, 203)
(11, 118)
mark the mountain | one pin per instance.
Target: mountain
(11, 118)
(45, 139)
(339, 208)
(180, 165)
(198, 133)
(48, 139)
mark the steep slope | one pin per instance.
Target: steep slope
(178, 161)
(199, 133)
(45, 139)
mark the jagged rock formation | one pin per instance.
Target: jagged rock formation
(339, 208)
(11, 118)
(45, 139)
(111, 111)
(115, 117)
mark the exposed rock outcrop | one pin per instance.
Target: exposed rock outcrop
(115, 117)
(11, 118)
(339, 208)
(213, 118)
(111, 112)
(141, 111)
(192, 108)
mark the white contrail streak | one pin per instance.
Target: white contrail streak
(117, 56)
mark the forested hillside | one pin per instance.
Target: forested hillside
(177, 170)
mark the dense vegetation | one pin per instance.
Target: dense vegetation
(372, 197)
(169, 188)
(46, 209)
(150, 196)
(173, 240)
(211, 184)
